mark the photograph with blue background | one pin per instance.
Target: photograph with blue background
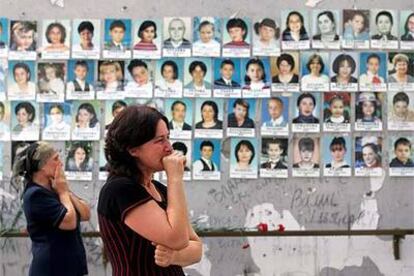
(251, 112)
(253, 142)
(30, 64)
(236, 73)
(4, 32)
(89, 75)
(67, 112)
(304, 59)
(266, 71)
(363, 59)
(127, 36)
(188, 111)
(216, 151)
(285, 112)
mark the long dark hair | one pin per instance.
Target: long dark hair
(133, 127)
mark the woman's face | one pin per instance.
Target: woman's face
(410, 24)
(244, 154)
(358, 23)
(109, 74)
(79, 155)
(306, 155)
(285, 68)
(85, 37)
(240, 112)
(168, 73)
(206, 33)
(337, 108)
(55, 35)
(325, 24)
(401, 67)
(198, 74)
(384, 24)
(338, 153)
(21, 76)
(315, 66)
(148, 34)
(255, 72)
(207, 113)
(23, 117)
(24, 40)
(84, 117)
(266, 33)
(401, 108)
(294, 23)
(50, 73)
(369, 156)
(56, 115)
(368, 108)
(345, 69)
(140, 75)
(306, 106)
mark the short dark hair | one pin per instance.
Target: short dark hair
(303, 96)
(194, 64)
(387, 14)
(401, 97)
(243, 103)
(329, 14)
(86, 25)
(373, 56)
(227, 61)
(285, 57)
(118, 104)
(402, 141)
(23, 66)
(117, 24)
(342, 58)
(205, 23)
(58, 106)
(173, 65)
(247, 144)
(302, 30)
(320, 60)
(29, 109)
(126, 132)
(180, 146)
(407, 30)
(178, 102)
(213, 106)
(146, 24)
(82, 63)
(257, 61)
(306, 143)
(136, 63)
(338, 141)
(61, 29)
(206, 143)
(276, 141)
(237, 23)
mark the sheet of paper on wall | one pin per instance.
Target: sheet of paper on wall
(59, 3)
(312, 3)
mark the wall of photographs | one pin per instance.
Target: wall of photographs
(320, 93)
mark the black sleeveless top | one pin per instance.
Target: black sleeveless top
(129, 253)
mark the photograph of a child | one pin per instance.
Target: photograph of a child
(401, 153)
(274, 154)
(337, 111)
(400, 111)
(51, 82)
(368, 111)
(337, 155)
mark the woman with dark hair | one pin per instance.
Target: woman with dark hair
(85, 31)
(22, 84)
(306, 146)
(53, 213)
(255, 77)
(198, 71)
(285, 64)
(237, 30)
(384, 23)
(147, 32)
(56, 36)
(209, 116)
(326, 27)
(368, 109)
(316, 74)
(26, 128)
(144, 224)
(56, 121)
(244, 153)
(306, 104)
(86, 120)
(408, 29)
(169, 80)
(343, 67)
(267, 33)
(240, 115)
(79, 158)
(295, 28)
(337, 147)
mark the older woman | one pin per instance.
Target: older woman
(52, 212)
(401, 64)
(144, 224)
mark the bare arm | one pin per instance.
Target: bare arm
(164, 227)
(81, 206)
(69, 221)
